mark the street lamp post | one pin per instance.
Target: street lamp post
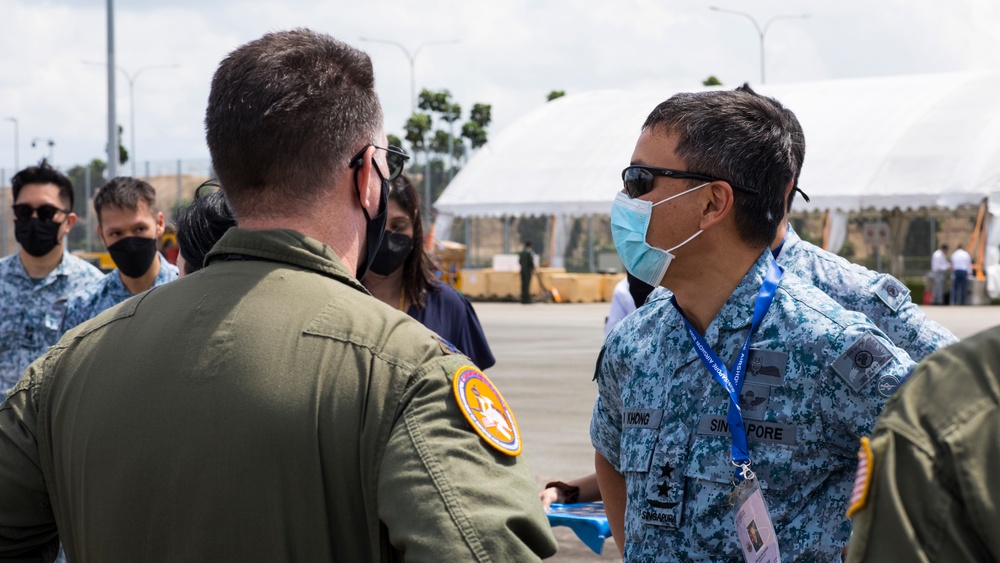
(413, 60)
(131, 78)
(50, 142)
(761, 31)
(17, 165)
(112, 115)
(413, 109)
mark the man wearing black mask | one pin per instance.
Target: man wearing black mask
(41, 273)
(129, 226)
(266, 407)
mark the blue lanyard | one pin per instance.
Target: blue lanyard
(732, 380)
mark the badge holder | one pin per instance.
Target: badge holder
(757, 539)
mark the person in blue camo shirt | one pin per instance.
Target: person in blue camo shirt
(35, 279)
(129, 226)
(709, 178)
(881, 297)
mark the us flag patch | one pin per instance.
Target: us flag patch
(862, 478)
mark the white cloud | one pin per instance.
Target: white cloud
(511, 54)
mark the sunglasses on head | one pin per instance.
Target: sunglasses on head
(23, 211)
(638, 180)
(394, 157)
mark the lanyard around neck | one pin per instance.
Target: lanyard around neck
(732, 379)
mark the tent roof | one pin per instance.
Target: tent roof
(904, 141)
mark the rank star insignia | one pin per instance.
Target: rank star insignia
(664, 489)
(666, 471)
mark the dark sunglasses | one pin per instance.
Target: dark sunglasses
(638, 179)
(23, 211)
(394, 157)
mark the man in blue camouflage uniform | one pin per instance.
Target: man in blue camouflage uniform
(880, 297)
(817, 374)
(129, 226)
(41, 273)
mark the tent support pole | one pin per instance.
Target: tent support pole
(465, 233)
(590, 243)
(506, 234)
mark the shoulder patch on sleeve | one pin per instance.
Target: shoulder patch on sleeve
(862, 361)
(485, 409)
(892, 292)
(862, 478)
(447, 347)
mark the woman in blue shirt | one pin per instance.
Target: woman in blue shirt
(402, 276)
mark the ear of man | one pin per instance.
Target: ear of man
(369, 184)
(717, 204)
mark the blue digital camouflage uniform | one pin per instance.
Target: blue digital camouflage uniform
(817, 378)
(106, 293)
(881, 297)
(30, 310)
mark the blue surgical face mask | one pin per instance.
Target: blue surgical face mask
(629, 223)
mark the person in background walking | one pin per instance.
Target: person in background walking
(961, 264)
(527, 269)
(939, 269)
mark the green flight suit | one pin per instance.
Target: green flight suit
(935, 487)
(266, 408)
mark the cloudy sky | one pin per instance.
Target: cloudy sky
(510, 53)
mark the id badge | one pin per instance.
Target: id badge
(753, 524)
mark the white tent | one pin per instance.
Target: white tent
(908, 141)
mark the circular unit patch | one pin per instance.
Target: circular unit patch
(487, 412)
(887, 385)
(863, 359)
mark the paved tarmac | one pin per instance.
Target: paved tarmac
(545, 364)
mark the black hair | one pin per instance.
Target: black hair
(43, 173)
(418, 269)
(125, 192)
(740, 137)
(201, 224)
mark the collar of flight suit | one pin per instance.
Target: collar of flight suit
(283, 246)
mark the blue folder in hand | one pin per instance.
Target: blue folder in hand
(586, 519)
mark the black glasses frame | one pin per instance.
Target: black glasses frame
(641, 184)
(24, 211)
(395, 158)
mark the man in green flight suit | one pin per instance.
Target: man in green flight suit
(527, 259)
(927, 483)
(267, 408)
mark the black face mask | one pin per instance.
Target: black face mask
(133, 255)
(375, 229)
(35, 236)
(391, 253)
